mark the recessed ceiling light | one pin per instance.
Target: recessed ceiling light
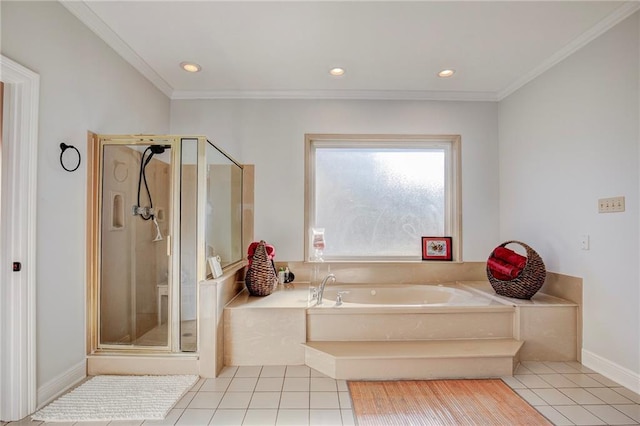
(337, 71)
(446, 73)
(190, 66)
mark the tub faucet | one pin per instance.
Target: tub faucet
(322, 285)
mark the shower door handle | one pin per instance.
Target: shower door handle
(168, 245)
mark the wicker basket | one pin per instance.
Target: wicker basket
(528, 282)
(261, 278)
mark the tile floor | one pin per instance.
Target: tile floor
(269, 395)
(567, 393)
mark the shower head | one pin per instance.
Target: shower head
(142, 177)
(158, 149)
(155, 149)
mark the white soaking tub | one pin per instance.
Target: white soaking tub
(400, 295)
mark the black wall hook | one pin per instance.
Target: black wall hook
(63, 148)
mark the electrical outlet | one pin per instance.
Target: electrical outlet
(611, 205)
(584, 242)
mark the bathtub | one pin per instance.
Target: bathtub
(401, 295)
(406, 312)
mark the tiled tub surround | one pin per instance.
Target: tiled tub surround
(266, 330)
(549, 326)
(282, 329)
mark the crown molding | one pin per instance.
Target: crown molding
(87, 16)
(404, 95)
(617, 16)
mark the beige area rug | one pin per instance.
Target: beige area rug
(105, 398)
(440, 402)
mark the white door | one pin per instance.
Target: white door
(18, 155)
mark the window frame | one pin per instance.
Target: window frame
(453, 184)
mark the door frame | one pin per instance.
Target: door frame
(18, 242)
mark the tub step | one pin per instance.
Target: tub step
(423, 359)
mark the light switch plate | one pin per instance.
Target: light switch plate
(611, 205)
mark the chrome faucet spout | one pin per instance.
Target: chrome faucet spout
(322, 285)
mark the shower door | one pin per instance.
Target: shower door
(135, 244)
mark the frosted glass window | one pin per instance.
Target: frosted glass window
(375, 200)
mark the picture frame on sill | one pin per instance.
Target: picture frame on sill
(215, 266)
(437, 248)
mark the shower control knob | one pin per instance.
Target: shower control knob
(17, 266)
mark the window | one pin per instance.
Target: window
(375, 196)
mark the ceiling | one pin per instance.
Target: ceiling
(390, 50)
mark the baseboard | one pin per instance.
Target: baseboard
(55, 387)
(611, 370)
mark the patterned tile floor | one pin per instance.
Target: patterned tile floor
(565, 392)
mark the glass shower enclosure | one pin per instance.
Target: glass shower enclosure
(159, 207)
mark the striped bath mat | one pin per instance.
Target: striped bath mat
(441, 403)
(105, 398)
